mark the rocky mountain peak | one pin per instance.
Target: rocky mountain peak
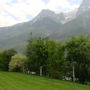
(85, 6)
(49, 14)
(46, 12)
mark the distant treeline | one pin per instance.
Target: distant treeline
(69, 60)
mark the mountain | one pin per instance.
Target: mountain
(59, 18)
(80, 25)
(70, 15)
(47, 23)
(84, 7)
(16, 36)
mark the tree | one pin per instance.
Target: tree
(18, 63)
(37, 54)
(55, 59)
(78, 50)
(45, 57)
(5, 58)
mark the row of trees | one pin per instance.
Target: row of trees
(53, 59)
(59, 60)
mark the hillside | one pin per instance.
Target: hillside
(17, 36)
(18, 81)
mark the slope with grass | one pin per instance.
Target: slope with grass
(18, 81)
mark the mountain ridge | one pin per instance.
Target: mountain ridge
(46, 23)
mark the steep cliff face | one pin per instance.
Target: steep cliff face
(84, 7)
(59, 18)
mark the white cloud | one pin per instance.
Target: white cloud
(59, 5)
(12, 13)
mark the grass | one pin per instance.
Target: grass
(19, 81)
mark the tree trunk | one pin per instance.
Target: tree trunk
(40, 70)
(73, 72)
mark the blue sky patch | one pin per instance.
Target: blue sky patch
(14, 1)
(45, 1)
(73, 2)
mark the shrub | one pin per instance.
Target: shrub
(18, 63)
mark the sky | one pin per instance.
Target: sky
(18, 11)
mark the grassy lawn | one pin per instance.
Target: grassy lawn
(19, 81)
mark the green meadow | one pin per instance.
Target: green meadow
(20, 81)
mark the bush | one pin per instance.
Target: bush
(5, 58)
(18, 63)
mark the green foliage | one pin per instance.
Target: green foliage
(18, 63)
(5, 58)
(37, 54)
(45, 53)
(69, 59)
(78, 51)
(55, 59)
